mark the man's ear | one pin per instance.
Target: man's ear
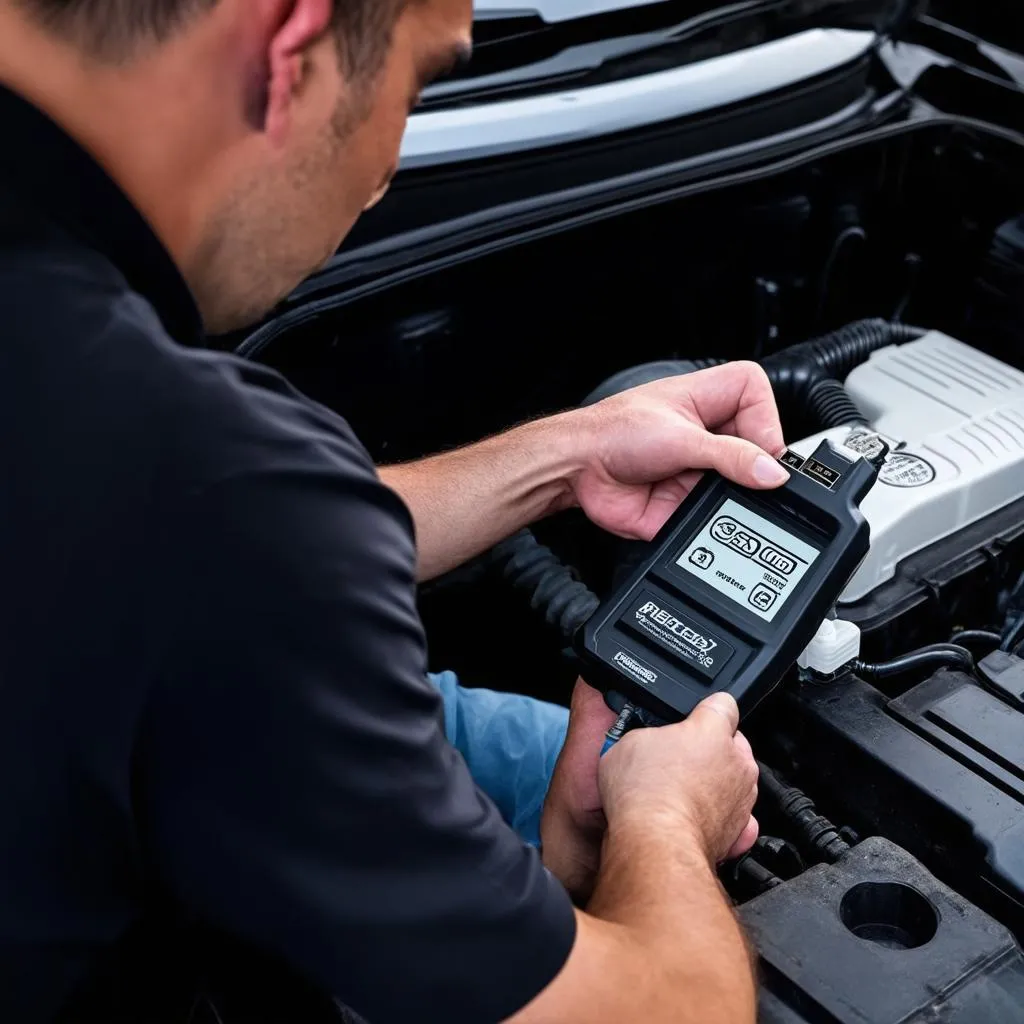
(299, 25)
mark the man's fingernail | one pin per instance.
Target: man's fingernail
(767, 471)
(723, 703)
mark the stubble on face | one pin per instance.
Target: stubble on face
(284, 217)
(273, 226)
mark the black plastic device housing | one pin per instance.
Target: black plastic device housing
(697, 641)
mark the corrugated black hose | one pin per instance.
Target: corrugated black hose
(839, 351)
(552, 588)
(809, 375)
(831, 405)
(805, 376)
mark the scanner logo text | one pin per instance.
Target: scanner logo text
(690, 636)
(634, 668)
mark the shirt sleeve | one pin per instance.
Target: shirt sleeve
(300, 791)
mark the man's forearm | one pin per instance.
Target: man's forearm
(666, 895)
(658, 942)
(465, 501)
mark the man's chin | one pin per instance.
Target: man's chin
(226, 321)
(226, 324)
(222, 319)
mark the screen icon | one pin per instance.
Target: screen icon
(778, 561)
(732, 534)
(702, 558)
(724, 528)
(763, 598)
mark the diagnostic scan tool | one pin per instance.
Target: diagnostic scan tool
(735, 586)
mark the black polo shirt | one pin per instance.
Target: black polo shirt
(212, 674)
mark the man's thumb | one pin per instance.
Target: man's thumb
(716, 709)
(742, 461)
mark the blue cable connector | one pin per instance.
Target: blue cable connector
(621, 726)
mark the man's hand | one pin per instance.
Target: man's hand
(711, 785)
(699, 775)
(658, 941)
(573, 824)
(628, 461)
(648, 445)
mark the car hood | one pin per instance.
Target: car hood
(552, 11)
(533, 47)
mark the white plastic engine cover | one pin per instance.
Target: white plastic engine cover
(955, 421)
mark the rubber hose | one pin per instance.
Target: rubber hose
(553, 588)
(808, 374)
(934, 656)
(796, 372)
(1013, 635)
(797, 807)
(756, 875)
(986, 637)
(831, 405)
(839, 351)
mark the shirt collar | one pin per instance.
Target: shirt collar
(59, 179)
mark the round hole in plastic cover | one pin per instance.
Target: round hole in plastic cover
(889, 914)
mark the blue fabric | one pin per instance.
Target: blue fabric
(510, 743)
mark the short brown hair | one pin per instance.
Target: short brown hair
(111, 27)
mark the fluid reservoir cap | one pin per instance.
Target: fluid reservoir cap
(836, 643)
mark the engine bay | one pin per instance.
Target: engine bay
(888, 884)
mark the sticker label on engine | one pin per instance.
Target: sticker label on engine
(677, 633)
(748, 559)
(902, 469)
(865, 443)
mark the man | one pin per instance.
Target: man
(214, 711)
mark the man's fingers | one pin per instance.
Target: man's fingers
(740, 394)
(740, 461)
(746, 840)
(719, 711)
(738, 399)
(589, 705)
(769, 438)
(743, 746)
(665, 498)
(757, 416)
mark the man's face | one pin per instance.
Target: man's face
(295, 189)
